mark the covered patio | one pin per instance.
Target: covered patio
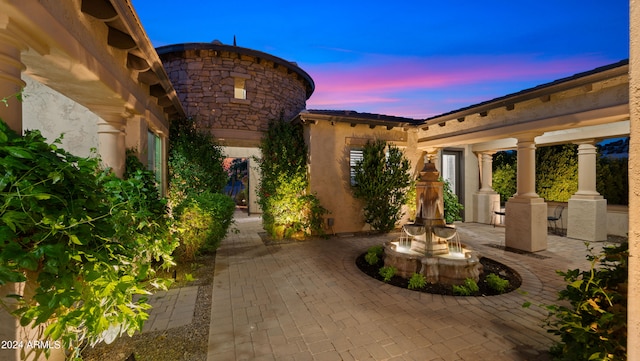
(583, 109)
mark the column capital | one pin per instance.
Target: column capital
(586, 142)
(527, 137)
(13, 33)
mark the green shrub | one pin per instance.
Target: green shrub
(93, 240)
(382, 180)
(452, 207)
(557, 175)
(374, 253)
(371, 258)
(594, 324)
(195, 162)
(496, 283)
(288, 209)
(468, 288)
(387, 272)
(417, 281)
(204, 220)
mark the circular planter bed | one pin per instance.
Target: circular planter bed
(489, 267)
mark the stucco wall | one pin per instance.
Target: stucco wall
(329, 167)
(53, 114)
(633, 342)
(204, 80)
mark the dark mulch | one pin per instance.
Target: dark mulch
(518, 251)
(489, 266)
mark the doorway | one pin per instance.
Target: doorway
(453, 173)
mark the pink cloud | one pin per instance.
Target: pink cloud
(378, 80)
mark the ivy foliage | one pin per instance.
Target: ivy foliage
(288, 208)
(382, 180)
(505, 174)
(90, 240)
(612, 180)
(195, 161)
(557, 172)
(591, 319)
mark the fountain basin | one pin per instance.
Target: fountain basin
(450, 268)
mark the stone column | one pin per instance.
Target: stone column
(526, 212)
(587, 208)
(11, 83)
(111, 144)
(486, 199)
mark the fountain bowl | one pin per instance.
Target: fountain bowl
(450, 268)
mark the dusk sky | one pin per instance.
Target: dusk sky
(414, 58)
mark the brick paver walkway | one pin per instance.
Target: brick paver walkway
(172, 308)
(308, 301)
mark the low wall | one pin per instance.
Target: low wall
(617, 218)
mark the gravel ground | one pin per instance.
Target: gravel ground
(186, 343)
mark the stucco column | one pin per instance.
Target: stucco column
(11, 83)
(486, 199)
(526, 212)
(587, 168)
(526, 176)
(486, 173)
(587, 208)
(111, 144)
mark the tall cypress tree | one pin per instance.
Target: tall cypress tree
(382, 180)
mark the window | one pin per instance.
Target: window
(239, 90)
(355, 156)
(154, 155)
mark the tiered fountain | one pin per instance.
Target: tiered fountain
(429, 246)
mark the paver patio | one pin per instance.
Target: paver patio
(309, 301)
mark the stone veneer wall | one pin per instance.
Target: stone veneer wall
(204, 81)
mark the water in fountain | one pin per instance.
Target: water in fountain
(455, 247)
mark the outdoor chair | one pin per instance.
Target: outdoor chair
(554, 219)
(498, 213)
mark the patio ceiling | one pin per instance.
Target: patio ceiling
(96, 53)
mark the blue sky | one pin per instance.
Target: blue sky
(415, 59)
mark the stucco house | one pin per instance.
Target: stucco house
(89, 70)
(582, 109)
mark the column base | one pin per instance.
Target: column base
(587, 218)
(483, 206)
(526, 224)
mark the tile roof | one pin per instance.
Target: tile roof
(351, 116)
